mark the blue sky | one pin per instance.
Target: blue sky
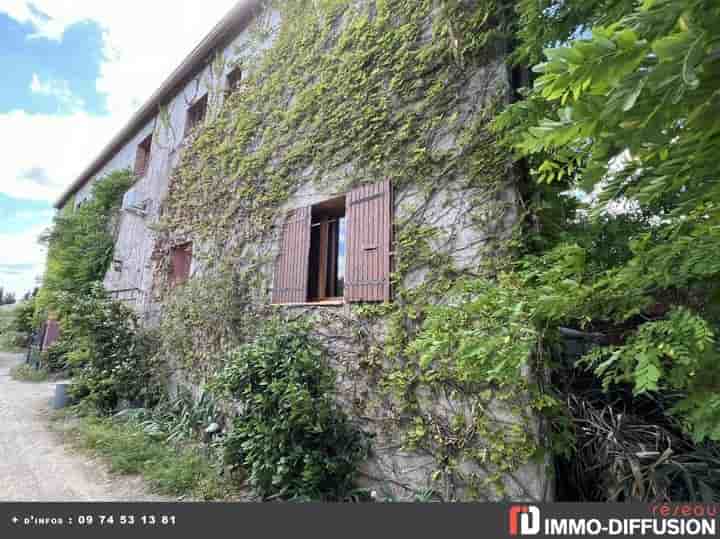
(17, 215)
(74, 72)
(42, 77)
(75, 60)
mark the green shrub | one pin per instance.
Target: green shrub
(12, 339)
(23, 317)
(26, 373)
(55, 358)
(291, 438)
(105, 344)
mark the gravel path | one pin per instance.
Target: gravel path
(34, 465)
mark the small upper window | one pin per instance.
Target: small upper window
(196, 113)
(181, 264)
(234, 80)
(142, 158)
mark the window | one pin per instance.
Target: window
(181, 261)
(142, 158)
(339, 250)
(196, 114)
(328, 235)
(234, 80)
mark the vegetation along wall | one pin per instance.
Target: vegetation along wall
(343, 266)
(360, 138)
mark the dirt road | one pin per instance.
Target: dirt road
(34, 465)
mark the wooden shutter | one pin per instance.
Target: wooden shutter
(293, 261)
(196, 114)
(140, 161)
(52, 334)
(369, 238)
(142, 158)
(181, 264)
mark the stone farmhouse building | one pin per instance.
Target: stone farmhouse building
(340, 236)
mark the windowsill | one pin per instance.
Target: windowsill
(324, 303)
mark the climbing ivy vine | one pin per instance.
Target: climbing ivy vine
(348, 93)
(81, 242)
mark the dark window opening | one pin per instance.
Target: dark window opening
(142, 159)
(234, 80)
(181, 261)
(196, 113)
(326, 275)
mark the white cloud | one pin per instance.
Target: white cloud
(60, 90)
(60, 146)
(144, 41)
(22, 260)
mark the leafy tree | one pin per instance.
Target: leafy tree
(7, 298)
(625, 115)
(546, 23)
(24, 313)
(81, 243)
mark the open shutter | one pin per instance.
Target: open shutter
(140, 161)
(181, 264)
(292, 263)
(369, 239)
(52, 334)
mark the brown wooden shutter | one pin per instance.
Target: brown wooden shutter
(181, 264)
(52, 334)
(140, 158)
(369, 240)
(292, 263)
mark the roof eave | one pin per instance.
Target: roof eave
(234, 22)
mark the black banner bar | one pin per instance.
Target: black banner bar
(369, 521)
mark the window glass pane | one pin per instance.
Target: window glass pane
(341, 257)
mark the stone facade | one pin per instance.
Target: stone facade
(470, 221)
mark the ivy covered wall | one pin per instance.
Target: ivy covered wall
(337, 94)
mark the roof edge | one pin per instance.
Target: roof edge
(236, 20)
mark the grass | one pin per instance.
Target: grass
(128, 450)
(25, 373)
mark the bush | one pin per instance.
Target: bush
(26, 373)
(102, 339)
(11, 338)
(55, 358)
(291, 438)
(23, 317)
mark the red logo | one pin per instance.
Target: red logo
(524, 520)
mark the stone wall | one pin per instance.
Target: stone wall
(447, 225)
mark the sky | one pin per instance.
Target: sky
(74, 72)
